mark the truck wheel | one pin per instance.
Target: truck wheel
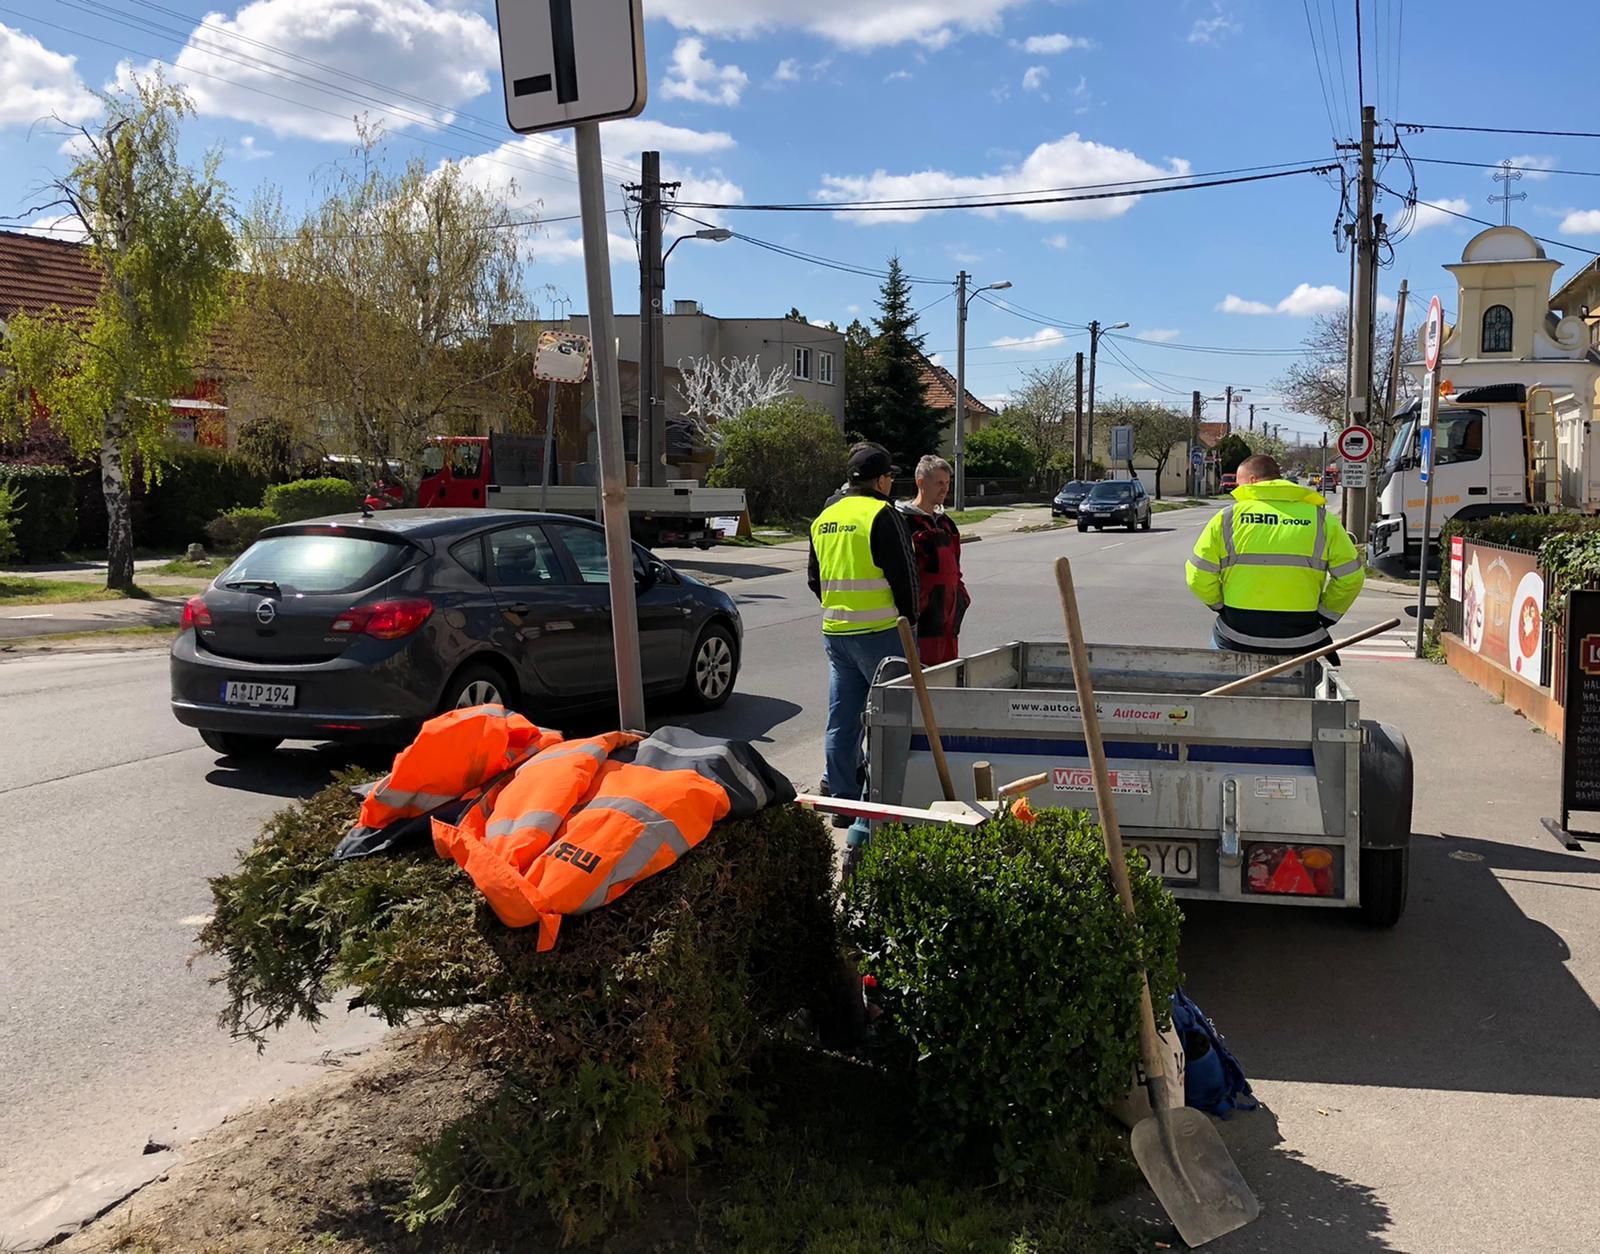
(1387, 785)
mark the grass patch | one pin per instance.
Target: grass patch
(965, 517)
(207, 569)
(156, 634)
(24, 591)
(1054, 525)
(839, 1168)
(1161, 507)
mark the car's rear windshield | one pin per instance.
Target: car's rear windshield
(1111, 491)
(318, 563)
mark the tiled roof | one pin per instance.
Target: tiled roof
(36, 273)
(1212, 432)
(939, 385)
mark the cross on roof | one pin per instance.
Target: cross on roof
(1507, 173)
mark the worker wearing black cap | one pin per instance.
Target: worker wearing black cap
(863, 571)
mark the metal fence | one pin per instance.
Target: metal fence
(1450, 610)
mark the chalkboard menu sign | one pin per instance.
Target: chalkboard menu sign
(1580, 762)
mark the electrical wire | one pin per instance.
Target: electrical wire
(1498, 130)
(1322, 85)
(938, 300)
(1467, 217)
(1495, 165)
(796, 254)
(1128, 364)
(1338, 42)
(929, 207)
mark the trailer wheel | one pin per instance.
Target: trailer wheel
(1387, 785)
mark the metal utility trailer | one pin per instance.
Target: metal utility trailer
(1279, 794)
(680, 513)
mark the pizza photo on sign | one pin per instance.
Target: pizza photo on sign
(1526, 646)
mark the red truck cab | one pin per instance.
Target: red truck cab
(456, 471)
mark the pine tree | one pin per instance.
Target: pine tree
(893, 408)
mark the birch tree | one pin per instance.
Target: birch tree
(715, 391)
(158, 233)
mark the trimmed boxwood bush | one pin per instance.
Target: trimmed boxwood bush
(46, 509)
(197, 483)
(312, 498)
(610, 1055)
(8, 531)
(237, 530)
(1006, 966)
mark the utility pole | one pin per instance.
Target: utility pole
(1195, 472)
(1392, 395)
(1080, 469)
(1252, 415)
(1360, 405)
(652, 441)
(961, 391)
(1227, 410)
(1094, 351)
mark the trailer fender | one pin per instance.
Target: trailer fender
(1387, 778)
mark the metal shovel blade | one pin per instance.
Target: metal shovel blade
(1193, 1175)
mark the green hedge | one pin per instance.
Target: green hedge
(197, 483)
(46, 509)
(609, 1056)
(312, 498)
(8, 527)
(1006, 964)
(237, 530)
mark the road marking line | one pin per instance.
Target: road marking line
(19, 617)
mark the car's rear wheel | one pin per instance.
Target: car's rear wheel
(240, 745)
(713, 667)
(477, 684)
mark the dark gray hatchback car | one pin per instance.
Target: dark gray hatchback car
(356, 627)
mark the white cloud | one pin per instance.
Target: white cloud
(35, 83)
(1066, 162)
(246, 150)
(788, 71)
(1033, 78)
(1058, 242)
(1386, 303)
(847, 23)
(898, 76)
(1535, 168)
(1046, 337)
(1440, 212)
(1213, 29)
(1581, 222)
(57, 226)
(1158, 335)
(695, 76)
(1051, 45)
(536, 175)
(1304, 301)
(440, 54)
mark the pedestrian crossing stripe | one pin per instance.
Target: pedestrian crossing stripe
(1398, 644)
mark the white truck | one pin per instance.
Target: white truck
(1503, 448)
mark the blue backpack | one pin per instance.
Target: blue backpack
(1213, 1080)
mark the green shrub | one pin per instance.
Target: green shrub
(237, 530)
(196, 484)
(999, 452)
(610, 1054)
(8, 531)
(312, 498)
(787, 455)
(1007, 967)
(1517, 531)
(45, 499)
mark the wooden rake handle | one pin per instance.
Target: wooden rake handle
(908, 642)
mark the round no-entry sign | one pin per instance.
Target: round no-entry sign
(1355, 443)
(1433, 334)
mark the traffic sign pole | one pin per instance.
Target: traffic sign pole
(608, 427)
(1430, 412)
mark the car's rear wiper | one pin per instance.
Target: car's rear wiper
(255, 585)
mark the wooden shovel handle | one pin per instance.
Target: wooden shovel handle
(908, 642)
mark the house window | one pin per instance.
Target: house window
(802, 363)
(1497, 329)
(824, 367)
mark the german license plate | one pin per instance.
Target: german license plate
(238, 692)
(1175, 860)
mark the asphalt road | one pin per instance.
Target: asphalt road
(1422, 1085)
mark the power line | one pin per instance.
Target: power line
(1322, 85)
(1495, 165)
(1467, 217)
(846, 267)
(1216, 349)
(927, 207)
(1498, 130)
(1338, 42)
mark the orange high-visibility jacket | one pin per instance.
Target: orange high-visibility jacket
(582, 821)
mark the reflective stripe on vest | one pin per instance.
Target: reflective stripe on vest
(1266, 563)
(856, 597)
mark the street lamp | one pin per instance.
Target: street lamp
(1095, 332)
(963, 299)
(1266, 409)
(653, 350)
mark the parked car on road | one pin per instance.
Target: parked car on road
(1115, 503)
(1228, 483)
(1069, 498)
(357, 627)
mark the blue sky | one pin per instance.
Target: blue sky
(760, 101)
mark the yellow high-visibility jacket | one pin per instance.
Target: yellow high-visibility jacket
(1277, 568)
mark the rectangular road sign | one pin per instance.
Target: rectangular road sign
(571, 61)
(1122, 444)
(1353, 475)
(1425, 456)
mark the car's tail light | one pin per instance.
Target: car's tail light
(1290, 870)
(384, 620)
(196, 614)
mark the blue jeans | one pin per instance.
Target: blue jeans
(852, 661)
